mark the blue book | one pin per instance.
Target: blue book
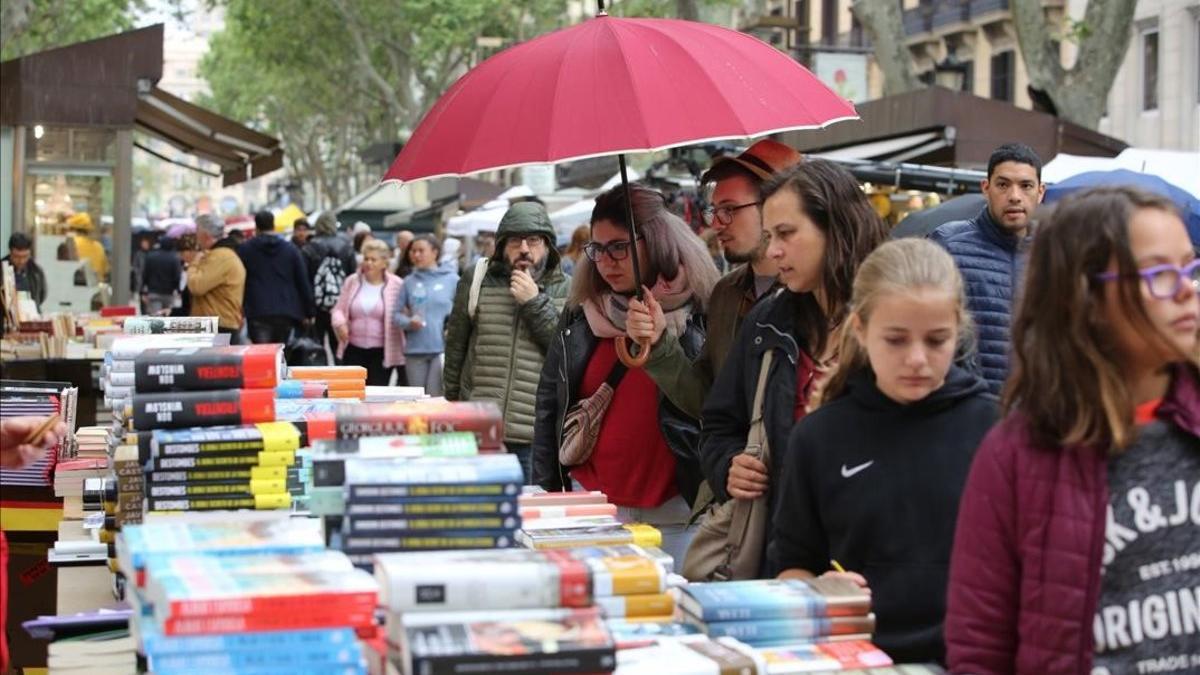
(154, 642)
(771, 599)
(235, 534)
(375, 526)
(434, 540)
(289, 658)
(503, 505)
(481, 469)
(355, 669)
(788, 631)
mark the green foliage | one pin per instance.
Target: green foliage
(36, 25)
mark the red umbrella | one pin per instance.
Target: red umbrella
(611, 86)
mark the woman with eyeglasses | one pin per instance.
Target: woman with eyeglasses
(1078, 538)
(819, 226)
(644, 456)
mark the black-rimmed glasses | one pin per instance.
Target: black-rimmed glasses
(724, 214)
(616, 250)
(1164, 281)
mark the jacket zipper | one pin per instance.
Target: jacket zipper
(512, 354)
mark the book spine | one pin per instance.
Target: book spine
(398, 420)
(244, 474)
(637, 606)
(262, 437)
(382, 492)
(239, 488)
(202, 408)
(430, 541)
(252, 367)
(270, 641)
(265, 622)
(144, 325)
(258, 502)
(375, 526)
(324, 603)
(599, 660)
(569, 511)
(427, 507)
(223, 461)
(276, 659)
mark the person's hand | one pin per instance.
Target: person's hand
(416, 322)
(747, 478)
(645, 321)
(853, 577)
(15, 452)
(342, 332)
(522, 286)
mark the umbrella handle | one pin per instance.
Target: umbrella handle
(631, 361)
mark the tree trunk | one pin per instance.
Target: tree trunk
(884, 24)
(1079, 94)
(687, 9)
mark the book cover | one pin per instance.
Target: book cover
(177, 410)
(327, 373)
(604, 535)
(770, 599)
(627, 575)
(329, 456)
(278, 661)
(196, 565)
(192, 368)
(539, 641)
(301, 389)
(158, 325)
(477, 579)
(232, 534)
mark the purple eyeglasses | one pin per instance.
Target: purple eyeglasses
(1164, 281)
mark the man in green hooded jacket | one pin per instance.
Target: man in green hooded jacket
(501, 326)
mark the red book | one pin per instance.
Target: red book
(183, 409)
(400, 419)
(244, 623)
(118, 310)
(200, 368)
(326, 603)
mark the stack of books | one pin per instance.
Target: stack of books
(157, 325)
(89, 643)
(335, 381)
(116, 370)
(245, 594)
(572, 519)
(383, 497)
(779, 612)
(20, 398)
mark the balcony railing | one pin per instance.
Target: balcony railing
(931, 16)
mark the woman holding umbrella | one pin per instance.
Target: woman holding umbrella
(639, 448)
(820, 227)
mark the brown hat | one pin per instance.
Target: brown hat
(765, 158)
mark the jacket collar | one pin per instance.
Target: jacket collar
(995, 234)
(1182, 404)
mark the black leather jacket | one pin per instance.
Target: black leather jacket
(558, 389)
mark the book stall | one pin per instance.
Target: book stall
(240, 516)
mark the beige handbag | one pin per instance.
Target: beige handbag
(732, 536)
(581, 425)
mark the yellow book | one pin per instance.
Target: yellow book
(635, 606)
(645, 535)
(626, 575)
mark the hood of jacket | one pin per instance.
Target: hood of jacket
(959, 384)
(267, 244)
(430, 274)
(525, 218)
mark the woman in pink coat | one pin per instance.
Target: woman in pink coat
(362, 317)
(1078, 539)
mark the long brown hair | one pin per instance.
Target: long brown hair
(669, 243)
(896, 267)
(832, 198)
(1067, 377)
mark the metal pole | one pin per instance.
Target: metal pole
(633, 233)
(122, 215)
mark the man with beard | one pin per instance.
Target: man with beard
(505, 314)
(735, 215)
(988, 250)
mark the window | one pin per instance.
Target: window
(1002, 76)
(1150, 70)
(829, 21)
(1197, 63)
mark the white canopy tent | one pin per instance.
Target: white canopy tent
(566, 219)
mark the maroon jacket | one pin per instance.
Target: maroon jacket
(1025, 571)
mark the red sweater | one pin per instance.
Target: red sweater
(632, 463)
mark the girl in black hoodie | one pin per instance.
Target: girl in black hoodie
(872, 478)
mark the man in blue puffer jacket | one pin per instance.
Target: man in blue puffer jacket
(987, 249)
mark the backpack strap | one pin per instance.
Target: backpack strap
(476, 284)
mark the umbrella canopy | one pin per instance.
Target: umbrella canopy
(180, 227)
(1188, 205)
(922, 223)
(611, 85)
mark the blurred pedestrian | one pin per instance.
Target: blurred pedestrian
(161, 277)
(362, 318)
(86, 247)
(574, 253)
(216, 277)
(425, 302)
(28, 274)
(331, 261)
(278, 292)
(301, 231)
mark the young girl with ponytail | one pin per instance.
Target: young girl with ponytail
(872, 477)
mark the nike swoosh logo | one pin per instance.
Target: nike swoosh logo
(848, 472)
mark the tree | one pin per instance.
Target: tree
(1080, 92)
(28, 26)
(885, 26)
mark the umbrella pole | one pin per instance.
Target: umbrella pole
(622, 345)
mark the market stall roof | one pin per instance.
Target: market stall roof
(110, 82)
(948, 128)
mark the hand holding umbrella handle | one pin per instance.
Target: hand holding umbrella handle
(631, 361)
